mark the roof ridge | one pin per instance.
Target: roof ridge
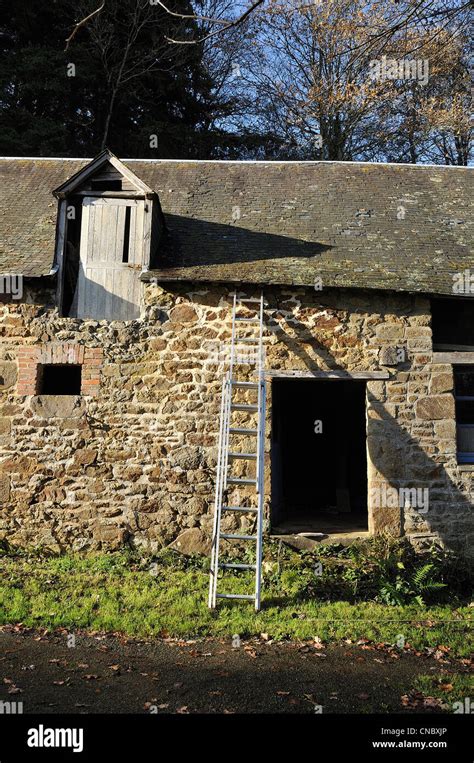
(241, 161)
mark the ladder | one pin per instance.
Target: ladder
(229, 452)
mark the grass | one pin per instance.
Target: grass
(449, 687)
(167, 596)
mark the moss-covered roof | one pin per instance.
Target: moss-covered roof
(380, 226)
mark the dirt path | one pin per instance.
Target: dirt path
(103, 674)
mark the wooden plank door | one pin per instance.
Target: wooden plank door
(111, 258)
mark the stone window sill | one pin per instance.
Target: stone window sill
(466, 467)
(454, 357)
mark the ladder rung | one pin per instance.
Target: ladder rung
(240, 430)
(238, 566)
(241, 481)
(238, 508)
(235, 596)
(246, 339)
(243, 407)
(249, 385)
(249, 299)
(247, 320)
(250, 456)
(228, 536)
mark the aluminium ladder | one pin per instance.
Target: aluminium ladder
(228, 451)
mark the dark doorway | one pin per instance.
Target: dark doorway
(319, 460)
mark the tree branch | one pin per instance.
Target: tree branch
(82, 22)
(226, 25)
(192, 16)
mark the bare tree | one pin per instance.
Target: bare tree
(320, 90)
(114, 35)
(300, 69)
(422, 13)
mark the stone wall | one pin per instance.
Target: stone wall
(132, 459)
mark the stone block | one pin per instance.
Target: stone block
(435, 407)
(56, 406)
(8, 374)
(391, 355)
(192, 541)
(110, 536)
(441, 383)
(183, 314)
(390, 331)
(4, 490)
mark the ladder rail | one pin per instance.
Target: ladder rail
(218, 496)
(226, 398)
(232, 344)
(223, 481)
(260, 492)
(259, 465)
(225, 467)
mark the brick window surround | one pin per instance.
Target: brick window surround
(30, 359)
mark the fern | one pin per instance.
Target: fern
(412, 590)
(423, 583)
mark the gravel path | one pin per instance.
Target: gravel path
(103, 674)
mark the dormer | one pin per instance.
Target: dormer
(109, 226)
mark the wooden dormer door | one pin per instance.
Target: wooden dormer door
(112, 247)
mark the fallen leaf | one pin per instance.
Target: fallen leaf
(417, 701)
(433, 702)
(319, 645)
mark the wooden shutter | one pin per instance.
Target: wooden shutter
(109, 287)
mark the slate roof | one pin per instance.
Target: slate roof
(381, 226)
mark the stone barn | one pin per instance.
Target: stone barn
(117, 285)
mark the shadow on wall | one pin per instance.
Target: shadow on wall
(410, 491)
(90, 299)
(429, 501)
